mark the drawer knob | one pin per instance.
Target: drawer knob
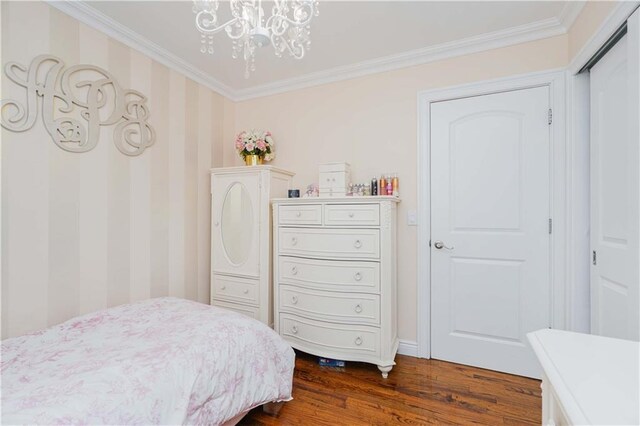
(358, 340)
(357, 244)
(224, 287)
(294, 241)
(217, 223)
(358, 308)
(294, 329)
(294, 270)
(294, 299)
(350, 214)
(246, 291)
(357, 276)
(298, 214)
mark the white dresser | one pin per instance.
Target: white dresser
(587, 379)
(335, 277)
(240, 237)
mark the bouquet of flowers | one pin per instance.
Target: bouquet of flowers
(255, 142)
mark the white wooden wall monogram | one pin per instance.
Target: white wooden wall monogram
(101, 102)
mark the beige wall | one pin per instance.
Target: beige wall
(85, 231)
(586, 24)
(371, 122)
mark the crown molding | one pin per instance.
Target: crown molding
(101, 22)
(494, 40)
(570, 12)
(609, 26)
(84, 13)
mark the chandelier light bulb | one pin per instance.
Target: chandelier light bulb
(287, 28)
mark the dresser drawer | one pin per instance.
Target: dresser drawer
(329, 275)
(351, 308)
(302, 214)
(352, 214)
(234, 289)
(330, 243)
(329, 339)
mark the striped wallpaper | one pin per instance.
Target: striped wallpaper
(81, 232)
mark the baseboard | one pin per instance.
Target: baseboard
(408, 347)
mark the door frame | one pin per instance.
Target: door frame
(560, 309)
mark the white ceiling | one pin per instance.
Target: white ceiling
(347, 35)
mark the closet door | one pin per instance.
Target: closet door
(615, 189)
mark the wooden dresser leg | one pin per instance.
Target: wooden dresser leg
(384, 369)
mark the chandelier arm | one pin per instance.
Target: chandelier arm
(216, 29)
(270, 21)
(294, 48)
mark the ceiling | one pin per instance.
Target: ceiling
(347, 36)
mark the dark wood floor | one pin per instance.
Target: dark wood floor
(418, 391)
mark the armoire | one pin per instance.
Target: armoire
(241, 259)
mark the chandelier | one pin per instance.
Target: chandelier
(287, 28)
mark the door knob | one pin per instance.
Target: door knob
(440, 245)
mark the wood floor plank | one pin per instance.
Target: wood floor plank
(417, 392)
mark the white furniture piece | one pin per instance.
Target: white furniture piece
(240, 237)
(335, 277)
(587, 379)
(334, 179)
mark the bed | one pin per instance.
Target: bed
(160, 361)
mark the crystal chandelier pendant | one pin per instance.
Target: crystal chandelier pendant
(287, 28)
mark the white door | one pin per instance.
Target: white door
(490, 275)
(615, 188)
(236, 216)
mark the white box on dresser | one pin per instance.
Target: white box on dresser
(241, 255)
(335, 277)
(334, 179)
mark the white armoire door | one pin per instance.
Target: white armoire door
(490, 192)
(236, 224)
(615, 189)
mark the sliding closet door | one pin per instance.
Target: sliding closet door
(615, 189)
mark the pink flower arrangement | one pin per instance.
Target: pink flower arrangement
(255, 142)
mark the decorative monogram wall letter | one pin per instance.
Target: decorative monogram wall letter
(101, 102)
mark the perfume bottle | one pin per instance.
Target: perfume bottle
(395, 185)
(382, 188)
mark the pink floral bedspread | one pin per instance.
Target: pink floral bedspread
(160, 361)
